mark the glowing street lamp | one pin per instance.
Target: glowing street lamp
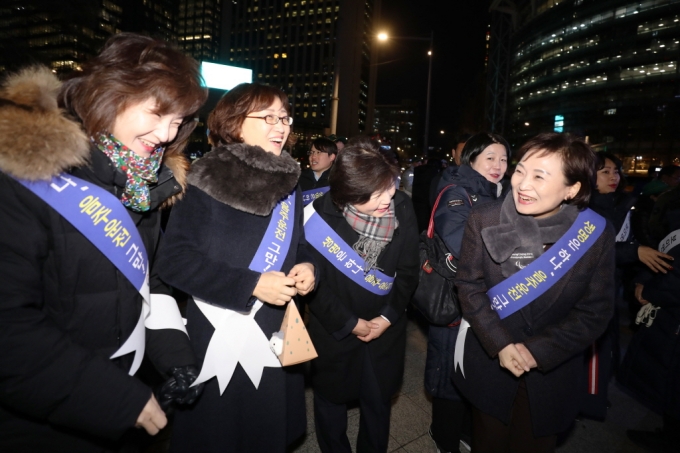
(383, 36)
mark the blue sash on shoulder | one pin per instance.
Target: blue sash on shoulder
(277, 239)
(342, 256)
(310, 195)
(523, 287)
(104, 221)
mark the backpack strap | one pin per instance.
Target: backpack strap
(430, 227)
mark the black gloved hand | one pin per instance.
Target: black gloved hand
(177, 388)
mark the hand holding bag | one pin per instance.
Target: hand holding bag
(435, 297)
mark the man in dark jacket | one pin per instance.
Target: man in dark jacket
(321, 158)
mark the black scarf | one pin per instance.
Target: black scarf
(519, 239)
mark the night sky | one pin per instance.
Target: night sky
(457, 69)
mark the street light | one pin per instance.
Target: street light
(383, 36)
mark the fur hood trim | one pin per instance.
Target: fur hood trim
(245, 177)
(37, 141)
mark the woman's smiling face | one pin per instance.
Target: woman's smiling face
(142, 130)
(379, 204)
(270, 137)
(538, 185)
(492, 163)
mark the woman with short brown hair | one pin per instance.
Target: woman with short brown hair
(365, 242)
(535, 282)
(235, 243)
(80, 227)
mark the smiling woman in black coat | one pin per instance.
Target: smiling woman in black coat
(521, 373)
(250, 403)
(65, 308)
(360, 336)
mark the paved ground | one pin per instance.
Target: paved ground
(411, 415)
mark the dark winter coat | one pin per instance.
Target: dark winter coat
(338, 303)
(64, 307)
(556, 327)
(652, 363)
(211, 238)
(471, 188)
(308, 181)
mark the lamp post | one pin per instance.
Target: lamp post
(383, 36)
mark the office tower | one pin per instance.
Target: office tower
(308, 48)
(199, 28)
(603, 69)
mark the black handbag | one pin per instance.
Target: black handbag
(435, 296)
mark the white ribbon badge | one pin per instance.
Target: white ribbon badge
(237, 339)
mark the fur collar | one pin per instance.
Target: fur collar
(520, 238)
(36, 140)
(245, 177)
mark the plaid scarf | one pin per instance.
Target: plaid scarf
(374, 233)
(140, 171)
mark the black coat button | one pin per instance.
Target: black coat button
(527, 330)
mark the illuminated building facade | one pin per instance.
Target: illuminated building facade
(397, 125)
(309, 48)
(199, 28)
(62, 34)
(602, 69)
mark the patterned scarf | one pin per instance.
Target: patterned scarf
(140, 171)
(374, 233)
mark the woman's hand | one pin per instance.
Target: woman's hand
(526, 355)
(654, 260)
(303, 274)
(511, 359)
(362, 328)
(275, 288)
(638, 294)
(378, 326)
(152, 418)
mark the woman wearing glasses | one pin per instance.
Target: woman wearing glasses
(236, 244)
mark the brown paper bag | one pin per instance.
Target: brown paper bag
(297, 346)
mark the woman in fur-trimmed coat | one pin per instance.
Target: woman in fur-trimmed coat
(64, 307)
(211, 239)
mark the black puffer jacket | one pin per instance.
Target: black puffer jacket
(64, 307)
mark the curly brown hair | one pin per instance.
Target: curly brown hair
(226, 120)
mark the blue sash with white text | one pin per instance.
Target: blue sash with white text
(277, 239)
(523, 287)
(104, 221)
(342, 256)
(310, 195)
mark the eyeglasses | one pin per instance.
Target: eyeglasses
(315, 152)
(273, 119)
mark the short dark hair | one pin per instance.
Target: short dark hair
(478, 143)
(226, 120)
(578, 161)
(325, 145)
(361, 169)
(130, 69)
(602, 157)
